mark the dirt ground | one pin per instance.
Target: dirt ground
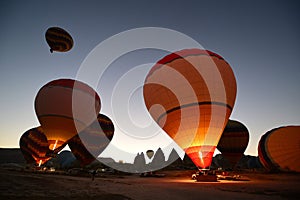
(175, 185)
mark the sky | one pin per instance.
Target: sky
(259, 39)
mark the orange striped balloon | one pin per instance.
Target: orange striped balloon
(234, 141)
(65, 107)
(34, 146)
(106, 125)
(191, 94)
(279, 149)
(58, 39)
(89, 143)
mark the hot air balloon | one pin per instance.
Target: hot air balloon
(191, 94)
(89, 143)
(65, 107)
(234, 141)
(106, 125)
(34, 146)
(58, 39)
(279, 149)
(150, 153)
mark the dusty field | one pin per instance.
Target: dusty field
(175, 185)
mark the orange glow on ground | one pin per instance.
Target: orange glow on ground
(190, 181)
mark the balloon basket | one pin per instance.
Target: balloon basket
(206, 178)
(232, 177)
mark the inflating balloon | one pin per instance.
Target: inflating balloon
(34, 146)
(191, 94)
(279, 149)
(65, 107)
(58, 39)
(234, 141)
(90, 143)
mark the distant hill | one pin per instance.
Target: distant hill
(11, 155)
(14, 155)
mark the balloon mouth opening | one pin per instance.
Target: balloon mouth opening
(56, 145)
(201, 156)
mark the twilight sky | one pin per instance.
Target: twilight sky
(259, 39)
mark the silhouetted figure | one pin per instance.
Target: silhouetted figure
(94, 172)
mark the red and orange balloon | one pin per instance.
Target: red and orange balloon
(191, 94)
(34, 146)
(91, 142)
(65, 107)
(279, 149)
(58, 39)
(234, 141)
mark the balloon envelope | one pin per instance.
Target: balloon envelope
(65, 107)
(279, 149)
(90, 143)
(190, 94)
(34, 146)
(150, 153)
(58, 39)
(234, 141)
(106, 125)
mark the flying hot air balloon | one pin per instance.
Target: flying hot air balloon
(58, 39)
(90, 143)
(150, 153)
(34, 146)
(234, 141)
(65, 107)
(278, 149)
(191, 94)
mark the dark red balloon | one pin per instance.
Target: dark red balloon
(91, 142)
(58, 39)
(34, 146)
(234, 141)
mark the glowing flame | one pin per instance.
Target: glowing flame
(55, 144)
(201, 157)
(40, 163)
